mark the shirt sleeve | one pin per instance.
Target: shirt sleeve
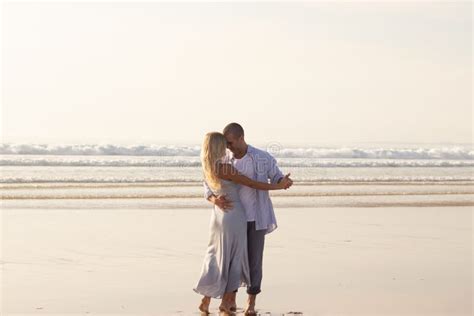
(274, 173)
(207, 190)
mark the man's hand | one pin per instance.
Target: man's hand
(221, 202)
(288, 182)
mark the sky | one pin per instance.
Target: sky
(293, 73)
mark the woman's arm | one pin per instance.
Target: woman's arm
(228, 172)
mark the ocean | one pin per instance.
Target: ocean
(92, 176)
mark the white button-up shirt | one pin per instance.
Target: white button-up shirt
(266, 169)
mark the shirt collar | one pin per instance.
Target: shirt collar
(250, 151)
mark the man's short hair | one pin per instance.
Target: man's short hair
(234, 129)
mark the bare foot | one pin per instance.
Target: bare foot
(250, 311)
(204, 307)
(226, 306)
(233, 305)
(226, 309)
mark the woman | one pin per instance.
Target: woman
(225, 267)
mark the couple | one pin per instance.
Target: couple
(237, 184)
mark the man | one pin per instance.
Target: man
(258, 165)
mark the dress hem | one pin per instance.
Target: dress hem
(243, 284)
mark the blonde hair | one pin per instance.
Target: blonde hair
(213, 149)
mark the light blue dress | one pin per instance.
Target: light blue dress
(226, 267)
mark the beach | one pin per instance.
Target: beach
(108, 108)
(122, 230)
(319, 261)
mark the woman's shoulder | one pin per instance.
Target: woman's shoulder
(224, 168)
(225, 172)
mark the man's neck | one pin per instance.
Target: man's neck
(242, 154)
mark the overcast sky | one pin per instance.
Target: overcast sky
(289, 72)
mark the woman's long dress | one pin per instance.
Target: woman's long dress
(225, 267)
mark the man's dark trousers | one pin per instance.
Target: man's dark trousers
(255, 245)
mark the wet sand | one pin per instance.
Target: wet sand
(320, 261)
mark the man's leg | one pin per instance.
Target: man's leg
(256, 243)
